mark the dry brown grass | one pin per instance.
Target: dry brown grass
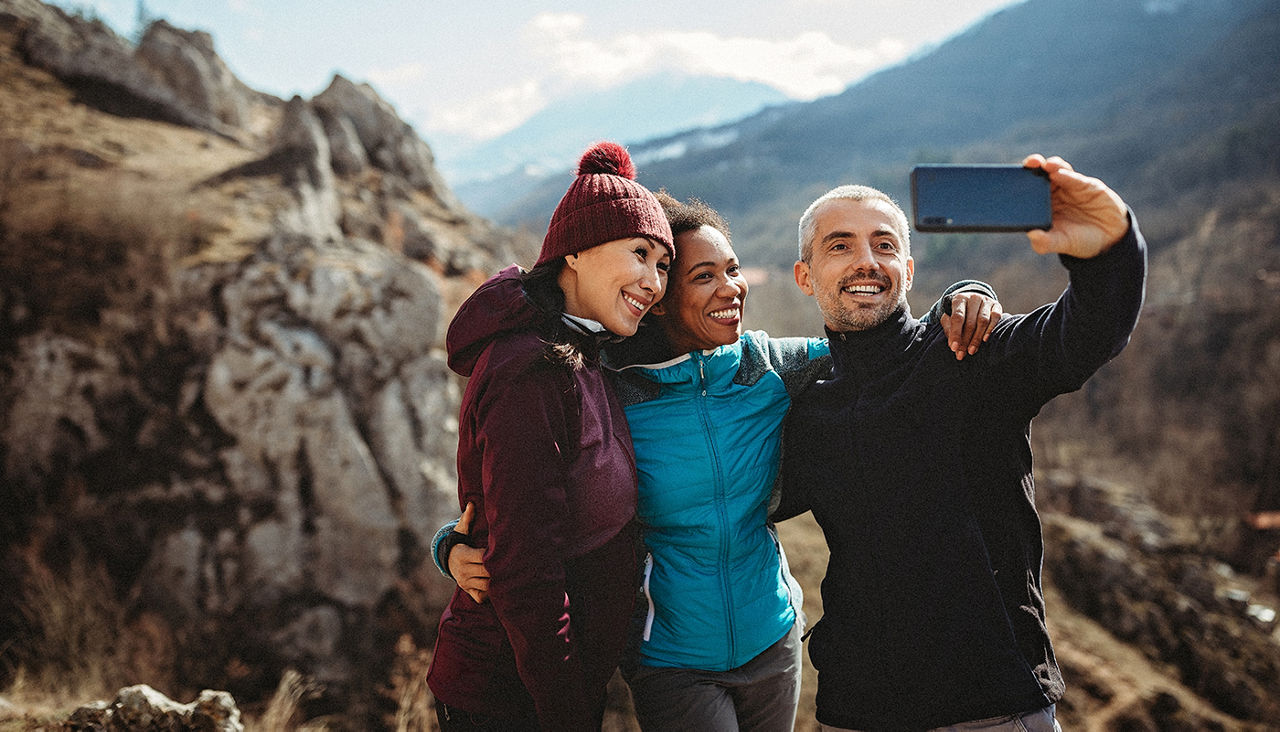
(77, 645)
(415, 710)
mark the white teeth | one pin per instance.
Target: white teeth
(729, 313)
(634, 302)
(864, 289)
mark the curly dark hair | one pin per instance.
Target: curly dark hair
(691, 215)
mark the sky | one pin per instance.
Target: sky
(463, 72)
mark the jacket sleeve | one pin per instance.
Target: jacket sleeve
(527, 438)
(442, 560)
(1057, 347)
(792, 500)
(943, 305)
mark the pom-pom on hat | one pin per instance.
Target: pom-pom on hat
(603, 204)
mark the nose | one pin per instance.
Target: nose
(652, 280)
(731, 287)
(862, 257)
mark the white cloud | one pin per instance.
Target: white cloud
(565, 58)
(491, 113)
(246, 8)
(559, 25)
(805, 66)
(397, 76)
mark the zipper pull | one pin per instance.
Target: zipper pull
(702, 376)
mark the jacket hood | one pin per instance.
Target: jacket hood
(497, 307)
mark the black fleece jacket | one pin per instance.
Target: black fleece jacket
(934, 612)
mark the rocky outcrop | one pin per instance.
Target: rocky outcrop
(221, 379)
(143, 709)
(1135, 573)
(186, 63)
(362, 127)
(172, 75)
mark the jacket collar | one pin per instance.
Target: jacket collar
(863, 352)
(696, 368)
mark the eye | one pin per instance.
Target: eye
(664, 266)
(887, 245)
(735, 270)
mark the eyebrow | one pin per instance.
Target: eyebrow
(707, 263)
(849, 234)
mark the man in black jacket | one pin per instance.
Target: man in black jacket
(934, 613)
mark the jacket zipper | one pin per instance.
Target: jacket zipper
(648, 620)
(721, 513)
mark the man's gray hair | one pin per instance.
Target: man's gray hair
(850, 193)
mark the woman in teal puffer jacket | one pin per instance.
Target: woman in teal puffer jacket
(719, 648)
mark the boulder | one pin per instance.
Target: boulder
(175, 77)
(143, 709)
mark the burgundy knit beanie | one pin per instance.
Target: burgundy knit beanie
(604, 203)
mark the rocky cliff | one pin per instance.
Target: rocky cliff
(222, 392)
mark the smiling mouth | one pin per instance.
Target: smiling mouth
(634, 302)
(726, 314)
(863, 289)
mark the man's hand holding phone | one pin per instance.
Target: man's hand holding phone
(1088, 217)
(1061, 210)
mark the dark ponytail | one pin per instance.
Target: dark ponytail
(542, 287)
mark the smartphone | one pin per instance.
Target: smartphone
(980, 198)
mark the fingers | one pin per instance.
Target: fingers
(467, 567)
(955, 325)
(464, 523)
(477, 588)
(995, 313)
(1050, 165)
(973, 316)
(1041, 242)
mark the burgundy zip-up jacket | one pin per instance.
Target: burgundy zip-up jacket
(545, 454)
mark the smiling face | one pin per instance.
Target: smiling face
(859, 269)
(615, 283)
(705, 294)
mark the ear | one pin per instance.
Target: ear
(911, 273)
(571, 261)
(801, 271)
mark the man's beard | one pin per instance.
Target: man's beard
(863, 318)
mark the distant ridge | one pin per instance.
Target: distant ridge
(1110, 84)
(551, 140)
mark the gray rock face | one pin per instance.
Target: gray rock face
(173, 74)
(186, 63)
(254, 437)
(387, 141)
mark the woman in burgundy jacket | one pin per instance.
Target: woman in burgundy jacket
(545, 455)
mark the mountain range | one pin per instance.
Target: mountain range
(638, 110)
(1175, 104)
(1121, 88)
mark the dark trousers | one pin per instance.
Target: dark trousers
(452, 719)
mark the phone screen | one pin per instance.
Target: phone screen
(980, 198)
